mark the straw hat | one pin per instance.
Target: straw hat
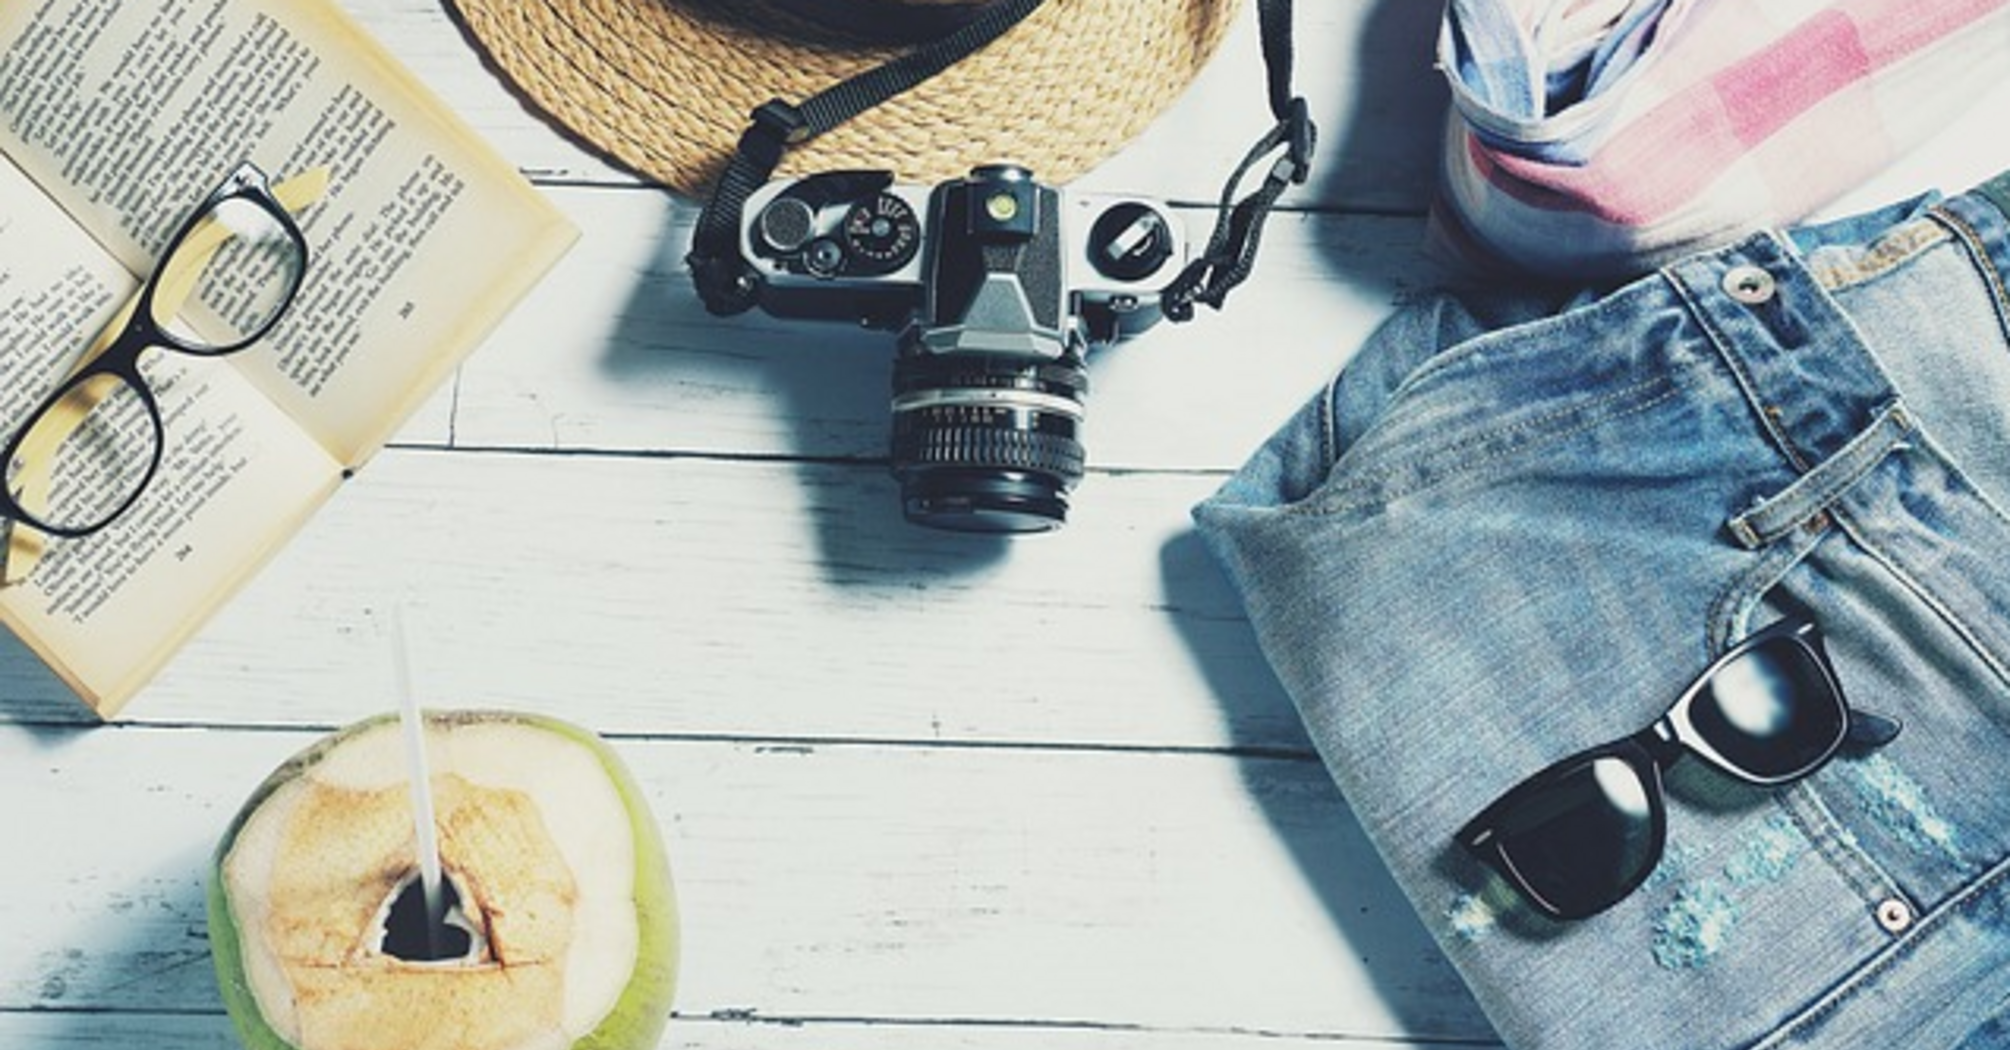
(666, 86)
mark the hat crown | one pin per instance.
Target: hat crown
(665, 86)
(885, 21)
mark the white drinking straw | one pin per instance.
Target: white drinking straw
(423, 826)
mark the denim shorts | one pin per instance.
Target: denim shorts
(1512, 529)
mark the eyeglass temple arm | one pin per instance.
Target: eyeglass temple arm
(172, 286)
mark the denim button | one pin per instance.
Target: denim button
(1894, 915)
(1748, 284)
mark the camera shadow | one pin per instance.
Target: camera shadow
(1289, 783)
(828, 383)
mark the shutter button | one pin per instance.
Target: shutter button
(1894, 915)
(1748, 284)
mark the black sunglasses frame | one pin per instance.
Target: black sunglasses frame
(121, 359)
(1647, 753)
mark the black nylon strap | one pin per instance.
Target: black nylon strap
(1238, 228)
(724, 280)
(1273, 20)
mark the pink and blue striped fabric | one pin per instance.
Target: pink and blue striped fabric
(1594, 139)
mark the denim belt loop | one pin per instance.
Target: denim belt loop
(1809, 497)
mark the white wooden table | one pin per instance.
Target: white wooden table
(920, 790)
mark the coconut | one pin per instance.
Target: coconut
(562, 923)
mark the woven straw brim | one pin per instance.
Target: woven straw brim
(665, 87)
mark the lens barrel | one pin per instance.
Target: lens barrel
(986, 443)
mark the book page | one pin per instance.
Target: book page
(103, 610)
(56, 287)
(128, 113)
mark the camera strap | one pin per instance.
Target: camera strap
(1238, 224)
(727, 283)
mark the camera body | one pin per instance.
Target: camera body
(998, 287)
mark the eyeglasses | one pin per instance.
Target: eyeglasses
(1584, 833)
(82, 456)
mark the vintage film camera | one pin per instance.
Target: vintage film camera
(999, 286)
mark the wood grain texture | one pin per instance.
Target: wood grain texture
(695, 597)
(991, 887)
(69, 1031)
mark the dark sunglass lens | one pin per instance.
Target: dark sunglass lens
(1773, 712)
(1583, 836)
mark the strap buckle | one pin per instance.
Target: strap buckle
(1299, 137)
(783, 120)
(725, 284)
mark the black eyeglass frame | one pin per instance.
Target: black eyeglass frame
(1649, 752)
(121, 358)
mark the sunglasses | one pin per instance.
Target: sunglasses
(1579, 836)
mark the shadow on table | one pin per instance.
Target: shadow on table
(148, 954)
(1290, 786)
(828, 382)
(31, 695)
(1382, 156)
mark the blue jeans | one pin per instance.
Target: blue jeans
(1514, 529)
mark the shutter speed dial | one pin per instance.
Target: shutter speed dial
(882, 233)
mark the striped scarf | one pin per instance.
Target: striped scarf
(1594, 139)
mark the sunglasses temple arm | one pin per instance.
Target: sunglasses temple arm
(25, 543)
(1869, 731)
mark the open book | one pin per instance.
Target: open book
(115, 120)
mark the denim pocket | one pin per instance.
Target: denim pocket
(1476, 409)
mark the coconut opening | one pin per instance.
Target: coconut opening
(455, 940)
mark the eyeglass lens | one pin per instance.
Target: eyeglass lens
(222, 285)
(235, 272)
(85, 458)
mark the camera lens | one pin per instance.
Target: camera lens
(984, 443)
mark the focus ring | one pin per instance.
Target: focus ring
(983, 447)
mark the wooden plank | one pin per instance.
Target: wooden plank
(614, 352)
(123, 1031)
(425, 37)
(1365, 66)
(733, 599)
(1175, 893)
